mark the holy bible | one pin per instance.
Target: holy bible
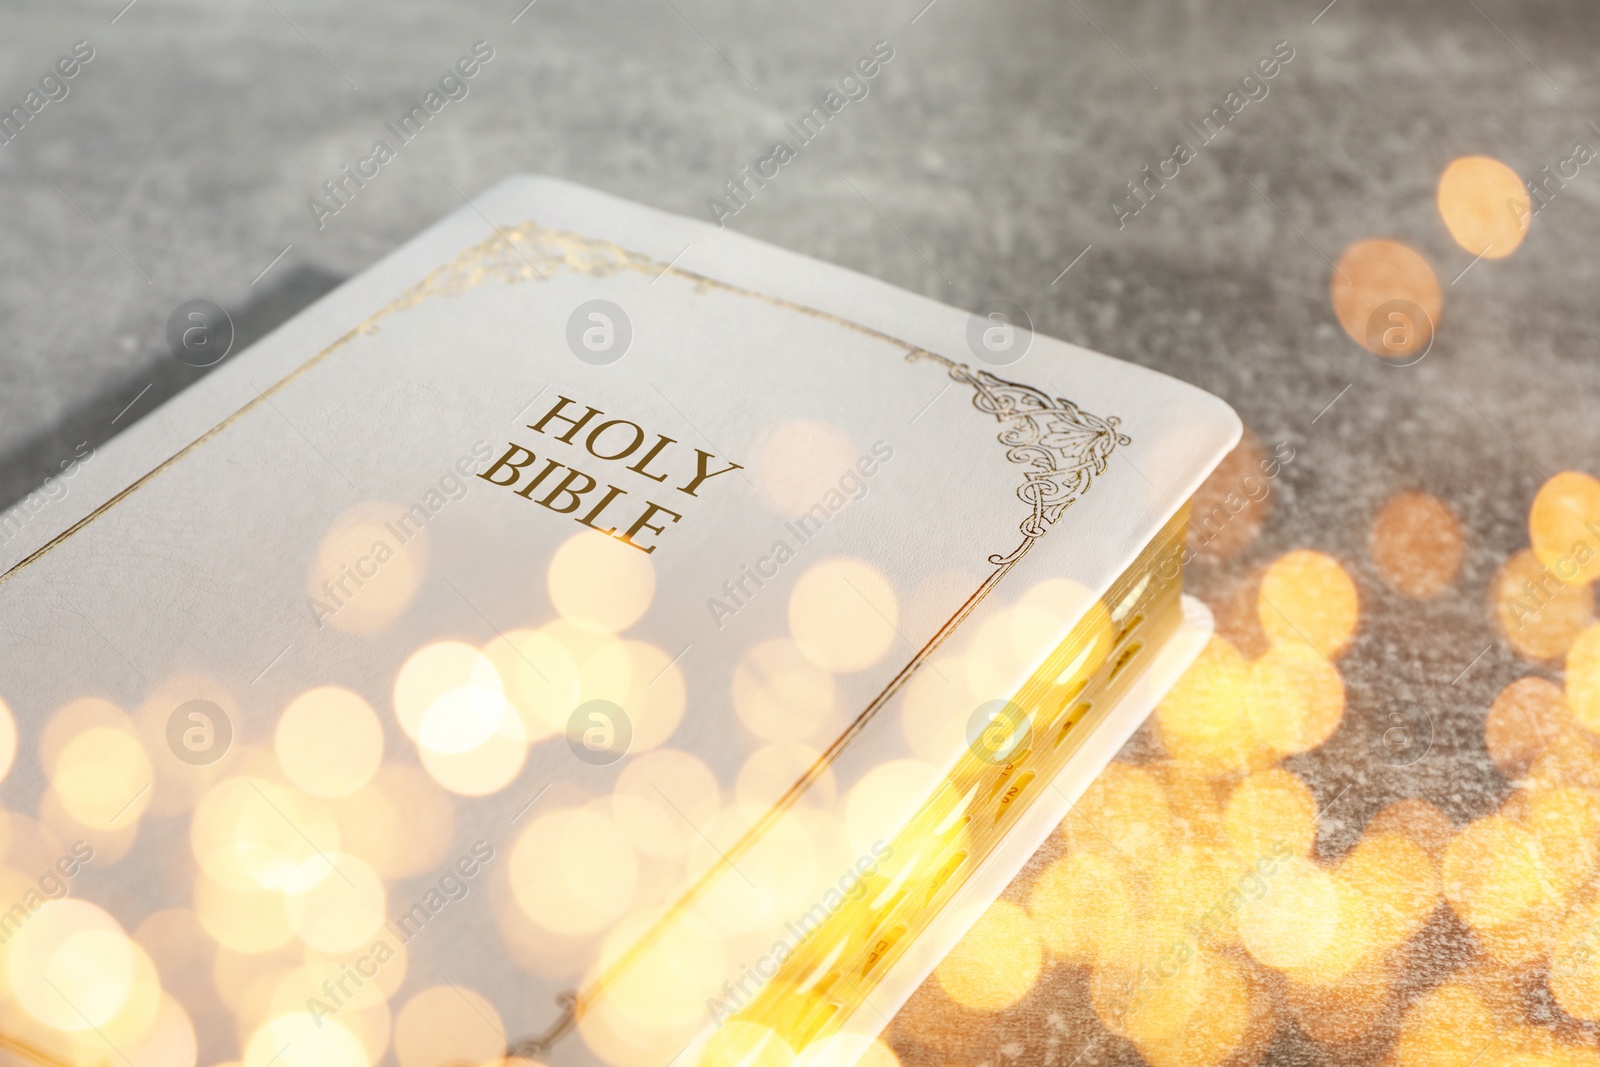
(588, 636)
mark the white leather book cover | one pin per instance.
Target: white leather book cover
(566, 605)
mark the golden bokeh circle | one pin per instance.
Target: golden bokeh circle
(1583, 679)
(1564, 526)
(300, 1040)
(341, 913)
(600, 584)
(1485, 206)
(799, 465)
(1539, 614)
(573, 871)
(1417, 545)
(1488, 877)
(1083, 907)
(483, 769)
(1295, 700)
(843, 613)
(1396, 877)
(995, 963)
(1564, 822)
(1294, 925)
(1270, 815)
(363, 575)
(329, 741)
(1416, 820)
(1308, 598)
(540, 678)
(1205, 720)
(101, 777)
(1449, 1025)
(1387, 298)
(1575, 962)
(448, 1024)
(448, 696)
(251, 833)
(71, 966)
(1525, 717)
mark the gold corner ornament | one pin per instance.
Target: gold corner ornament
(1064, 447)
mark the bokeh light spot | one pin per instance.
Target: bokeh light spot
(363, 576)
(996, 962)
(573, 871)
(1205, 718)
(1485, 206)
(1583, 679)
(800, 465)
(1526, 717)
(600, 584)
(1416, 543)
(1387, 298)
(1564, 526)
(448, 1024)
(1296, 698)
(1539, 613)
(329, 742)
(1307, 598)
(843, 613)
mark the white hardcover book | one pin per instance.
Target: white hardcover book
(588, 634)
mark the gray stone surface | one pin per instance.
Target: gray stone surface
(982, 164)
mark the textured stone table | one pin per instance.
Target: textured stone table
(985, 162)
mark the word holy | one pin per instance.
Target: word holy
(53, 87)
(852, 486)
(852, 886)
(810, 127)
(1252, 88)
(352, 576)
(454, 85)
(611, 440)
(1541, 193)
(452, 887)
